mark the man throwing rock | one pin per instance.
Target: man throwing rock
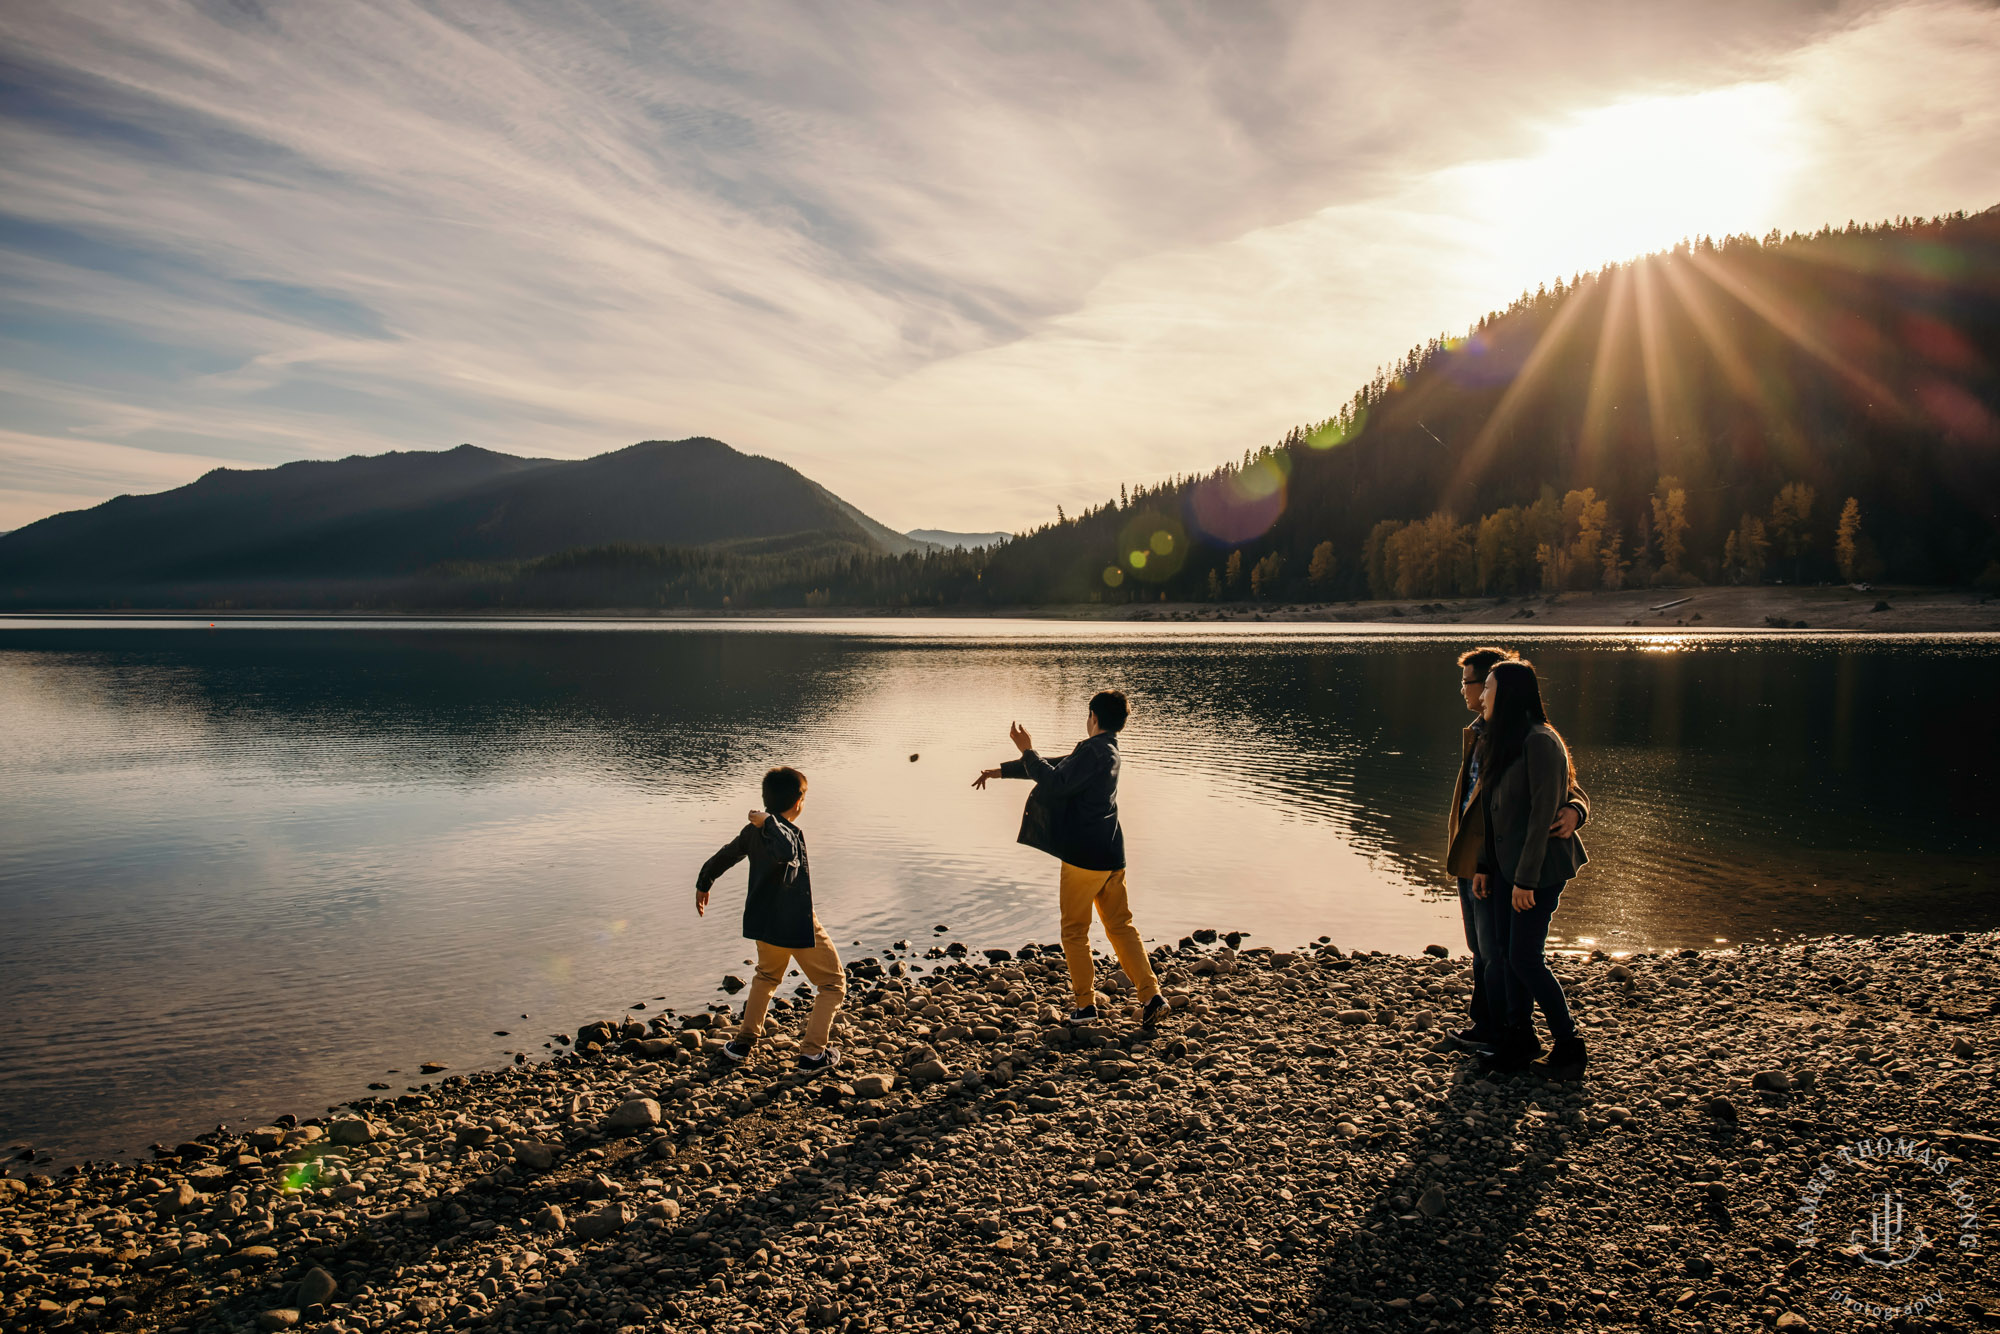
(1073, 816)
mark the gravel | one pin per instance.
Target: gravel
(1265, 1160)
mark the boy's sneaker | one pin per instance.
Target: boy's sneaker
(736, 1051)
(826, 1060)
(1083, 1015)
(1156, 1010)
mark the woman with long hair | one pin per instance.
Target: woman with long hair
(1526, 774)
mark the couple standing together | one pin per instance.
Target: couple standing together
(1072, 815)
(1512, 844)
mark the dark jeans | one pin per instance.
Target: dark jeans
(1517, 976)
(1478, 938)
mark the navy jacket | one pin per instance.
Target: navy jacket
(1073, 812)
(778, 910)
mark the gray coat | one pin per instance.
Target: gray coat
(1521, 804)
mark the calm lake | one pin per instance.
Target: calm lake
(250, 869)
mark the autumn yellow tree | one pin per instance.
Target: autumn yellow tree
(1264, 575)
(1324, 565)
(1375, 558)
(1586, 520)
(1611, 563)
(1846, 540)
(1670, 523)
(1744, 551)
(1430, 558)
(1235, 571)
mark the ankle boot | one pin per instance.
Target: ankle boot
(1565, 1062)
(1516, 1051)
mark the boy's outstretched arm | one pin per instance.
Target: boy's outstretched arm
(730, 853)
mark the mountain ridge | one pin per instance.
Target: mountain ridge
(400, 513)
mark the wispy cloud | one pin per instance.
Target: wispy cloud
(958, 264)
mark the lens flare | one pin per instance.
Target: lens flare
(1241, 506)
(301, 1176)
(1153, 546)
(1113, 576)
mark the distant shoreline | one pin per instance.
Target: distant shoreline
(1763, 607)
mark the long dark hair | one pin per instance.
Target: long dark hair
(1517, 708)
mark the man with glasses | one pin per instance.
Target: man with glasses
(1467, 833)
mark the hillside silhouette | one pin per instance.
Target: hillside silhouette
(362, 527)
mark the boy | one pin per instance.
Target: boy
(778, 915)
(1073, 816)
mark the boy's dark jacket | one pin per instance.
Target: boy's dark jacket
(778, 910)
(1073, 812)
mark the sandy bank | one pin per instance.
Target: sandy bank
(1906, 610)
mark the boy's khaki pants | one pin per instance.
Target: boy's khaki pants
(1081, 890)
(820, 964)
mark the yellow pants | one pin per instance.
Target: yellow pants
(1081, 890)
(820, 964)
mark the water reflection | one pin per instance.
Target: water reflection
(253, 868)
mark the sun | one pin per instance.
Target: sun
(1620, 180)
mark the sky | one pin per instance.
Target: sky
(961, 263)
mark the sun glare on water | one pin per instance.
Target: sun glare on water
(1636, 176)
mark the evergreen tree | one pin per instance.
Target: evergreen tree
(1791, 524)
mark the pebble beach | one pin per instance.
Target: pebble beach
(1299, 1147)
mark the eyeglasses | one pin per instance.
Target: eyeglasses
(1470, 681)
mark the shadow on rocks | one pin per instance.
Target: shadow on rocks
(1435, 1247)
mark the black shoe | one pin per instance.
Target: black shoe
(826, 1060)
(1086, 1014)
(1515, 1052)
(1564, 1063)
(1478, 1039)
(1156, 1010)
(736, 1051)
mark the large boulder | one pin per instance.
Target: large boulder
(873, 1086)
(634, 1114)
(351, 1132)
(316, 1288)
(535, 1156)
(611, 1218)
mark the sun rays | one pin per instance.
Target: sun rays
(1661, 334)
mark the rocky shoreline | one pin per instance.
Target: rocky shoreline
(1300, 1147)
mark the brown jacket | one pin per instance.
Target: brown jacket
(1466, 836)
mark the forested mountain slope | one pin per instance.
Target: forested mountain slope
(1705, 413)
